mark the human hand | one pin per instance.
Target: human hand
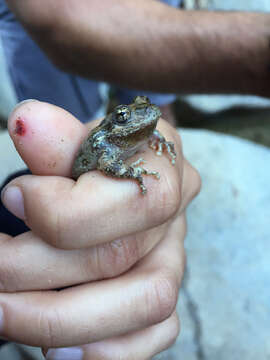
(97, 228)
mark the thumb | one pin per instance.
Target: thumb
(46, 137)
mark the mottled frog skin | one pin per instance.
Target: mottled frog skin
(119, 136)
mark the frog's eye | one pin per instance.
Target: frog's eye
(122, 114)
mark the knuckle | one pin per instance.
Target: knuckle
(49, 328)
(9, 274)
(161, 296)
(50, 229)
(59, 227)
(115, 257)
(7, 282)
(168, 199)
(47, 214)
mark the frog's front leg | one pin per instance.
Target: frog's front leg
(115, 167)
(157, 142)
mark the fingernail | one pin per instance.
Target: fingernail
(73, 353)
(12, 198)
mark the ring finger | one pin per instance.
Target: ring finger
(157, 337)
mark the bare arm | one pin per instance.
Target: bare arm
(146, 44)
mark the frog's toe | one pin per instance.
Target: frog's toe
(138, 162)
(143, 189)
(139, 180)
(154, 173)
(171, 151)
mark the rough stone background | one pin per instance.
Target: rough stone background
(224, 304)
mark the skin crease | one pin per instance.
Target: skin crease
(172, 50)
(139, 253)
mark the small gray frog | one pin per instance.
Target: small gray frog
(119, 136)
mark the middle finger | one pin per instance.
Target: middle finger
(28, 263)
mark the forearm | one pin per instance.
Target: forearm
(146, 44)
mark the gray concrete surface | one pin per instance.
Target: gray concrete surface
(225, 301)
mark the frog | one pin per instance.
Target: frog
(121, 134)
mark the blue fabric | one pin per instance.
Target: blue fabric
(34, 76)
